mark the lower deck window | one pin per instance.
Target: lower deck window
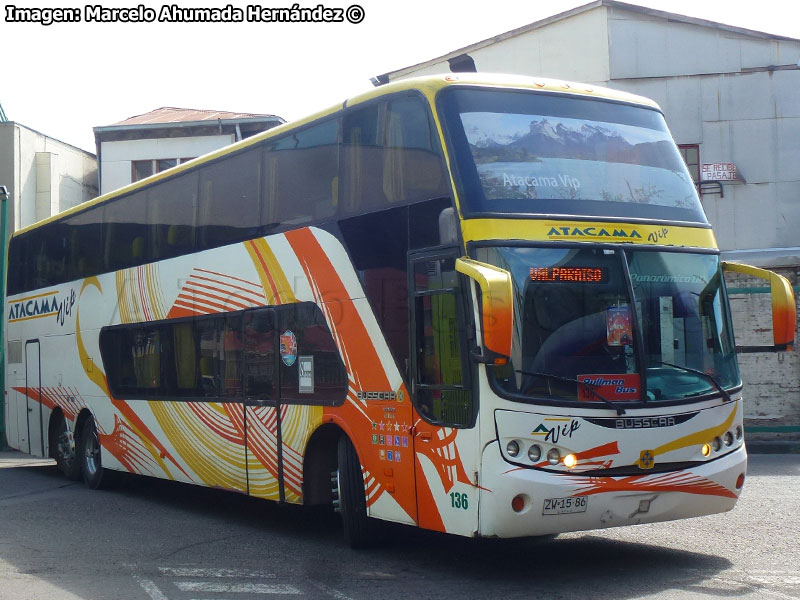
(248, 354)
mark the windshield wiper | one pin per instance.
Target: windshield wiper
(710, 378)
(590, 386)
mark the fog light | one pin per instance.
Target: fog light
(716, 444)
(706, 449)
(727, 439)
(553, 456)
(740, 481)
(535, 453)
(518, 503)
(512, 448)
(570, 460)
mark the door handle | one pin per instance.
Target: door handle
(424, 436)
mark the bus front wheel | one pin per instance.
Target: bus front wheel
(94, 475)
(349, 496)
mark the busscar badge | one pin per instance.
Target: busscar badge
(647, 459)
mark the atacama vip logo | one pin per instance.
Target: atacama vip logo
(594, 232)
(33, 307)
(42, 305)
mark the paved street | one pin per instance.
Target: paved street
(154, 540)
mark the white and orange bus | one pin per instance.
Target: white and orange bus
(483, 305)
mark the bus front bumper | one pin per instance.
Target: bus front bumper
(520, 502)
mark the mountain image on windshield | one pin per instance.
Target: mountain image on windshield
(578, 140)
(528, 157)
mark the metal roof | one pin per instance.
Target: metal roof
(171, 114)
(668, 16)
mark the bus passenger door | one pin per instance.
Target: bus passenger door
(446, 441)
(33, 389)
(261, 405)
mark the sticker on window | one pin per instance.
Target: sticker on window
(288, 348)
(306, 374)
(618, 326)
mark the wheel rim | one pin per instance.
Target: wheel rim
(64, 449)
(92, 454)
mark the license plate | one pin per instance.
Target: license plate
(562, 506)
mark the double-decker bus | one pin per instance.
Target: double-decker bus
(483, 305)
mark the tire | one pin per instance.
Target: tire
(95, 476)
(63, 449)
(352, 501)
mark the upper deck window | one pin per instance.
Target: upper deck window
(525, 152)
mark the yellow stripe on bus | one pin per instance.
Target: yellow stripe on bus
(587, 231)
(50, 314)
(273, 279)
(26, 298)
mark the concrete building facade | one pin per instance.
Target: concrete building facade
(43, 175)
(731, 97)
(147, 144)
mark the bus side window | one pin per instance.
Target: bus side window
(171, 213)
(229, 207)
(391, 155)
(85, 235)
(413, 166)
(17, 274)
(362, 164)
(312, 372)
(259, 344)
(124, 221)
(294, 193)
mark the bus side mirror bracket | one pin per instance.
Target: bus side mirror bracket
(497, 308)
(784, 315)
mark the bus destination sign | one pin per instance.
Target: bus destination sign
(569, 274)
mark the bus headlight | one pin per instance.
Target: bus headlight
(716, 444)
(512, 448)
(553, 456)
(727, 439)
(535, 453)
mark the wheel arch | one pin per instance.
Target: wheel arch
(319, 461)
(55, 414)
(79, 421)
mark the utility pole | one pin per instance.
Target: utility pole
(3, 268)
(3, 248)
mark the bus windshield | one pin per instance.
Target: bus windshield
(576, 323)
(526, 152)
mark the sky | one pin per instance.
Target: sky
(64, 79)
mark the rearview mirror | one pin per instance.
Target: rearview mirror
(784, 315)
(497, 306)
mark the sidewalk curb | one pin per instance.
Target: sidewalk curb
(773, 447)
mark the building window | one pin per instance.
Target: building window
(141, 169)
(691, 156)
(166, 163)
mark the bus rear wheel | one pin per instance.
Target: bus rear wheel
(62, 446)
(349, 497)
(95, 476)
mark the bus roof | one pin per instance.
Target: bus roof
(428, 84)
